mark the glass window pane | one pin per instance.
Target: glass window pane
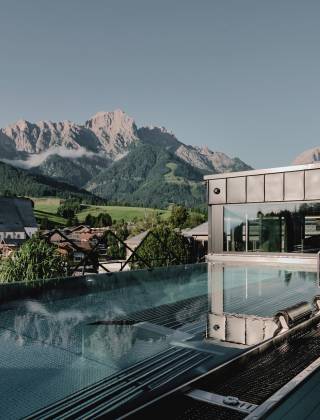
(272, 227)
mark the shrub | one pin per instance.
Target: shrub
(36, 259)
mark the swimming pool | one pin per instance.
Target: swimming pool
(64, 336)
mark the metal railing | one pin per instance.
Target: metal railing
(318, 268)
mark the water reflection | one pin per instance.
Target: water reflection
(242, 305)
(245, 303)
(73, 330)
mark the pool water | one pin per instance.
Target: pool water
(66, 334)
(264, 290)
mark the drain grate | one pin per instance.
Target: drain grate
(263, 375)
(251, 382)
(105, 397)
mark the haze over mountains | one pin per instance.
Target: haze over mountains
(111, 157)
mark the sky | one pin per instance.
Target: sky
(241, 76)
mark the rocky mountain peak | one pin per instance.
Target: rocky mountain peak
(308, 156)
(115, 130)
(205, 150)
(24, 135)
(159, 136)
(34, 138)
(81, 153)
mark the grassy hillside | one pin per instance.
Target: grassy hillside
(120, 212)
(17, 181)
(152, 176)
(47, 207)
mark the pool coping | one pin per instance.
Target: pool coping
(308, 261)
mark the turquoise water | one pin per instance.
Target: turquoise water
(52, 343)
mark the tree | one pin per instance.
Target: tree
(116, 249)
(163, 246)
(89, 220)
(151, 220)
(36, 259)
(179, 216)
(102, 220)
(72, 221)
(195, 219)
(45, 224)
(69, 208)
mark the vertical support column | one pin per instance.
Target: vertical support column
(210, 228)
(215, 276)
(216, 228)
(247, 234)
(216, 327)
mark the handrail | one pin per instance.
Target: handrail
(318, 268)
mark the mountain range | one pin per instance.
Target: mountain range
(308, 156)
(110, 157)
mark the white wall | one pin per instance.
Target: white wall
(12, 235)
(30, 231)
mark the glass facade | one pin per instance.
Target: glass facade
(272, 227)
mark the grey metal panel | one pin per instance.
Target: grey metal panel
(255, 189)
(217, 228)
(294, 186)
(312, 184)
(210, 245)
(274, 187)
(236, 190)
(293, 168)
(217, 191)
(215, 279)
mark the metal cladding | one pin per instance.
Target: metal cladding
(252, 329)
(288, 185)
(296, 183)
(243, 329)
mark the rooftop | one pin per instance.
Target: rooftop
(291, 168)
(105, 345)
(200, 230)
(16, 214)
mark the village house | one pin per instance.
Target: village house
(17, 223)
(75, 243)
(197, 236)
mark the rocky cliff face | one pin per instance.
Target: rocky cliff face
(308, 156)
(116, 132)
(44, 135)
(79, 153)
(198, 157)
(7, 148)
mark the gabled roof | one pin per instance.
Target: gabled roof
(10, 220)
(137, 239)
(25, 210)
(16, 214)
(80, 228)
(200, 230)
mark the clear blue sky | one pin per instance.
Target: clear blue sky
(242, 76)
